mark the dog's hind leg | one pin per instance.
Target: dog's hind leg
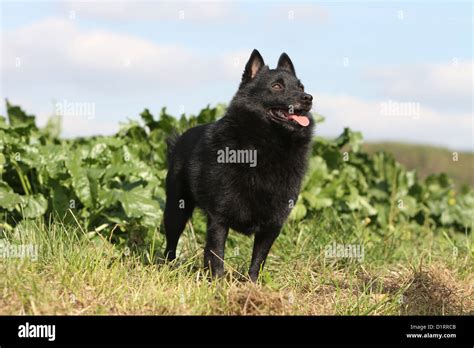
(178, 210)
(215, 244)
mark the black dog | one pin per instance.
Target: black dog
(244, 170)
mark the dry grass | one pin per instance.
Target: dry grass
(436, 291)
(74, 276)
(432, 290)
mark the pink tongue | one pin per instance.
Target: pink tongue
(302, 120)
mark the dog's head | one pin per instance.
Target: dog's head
(276, 95)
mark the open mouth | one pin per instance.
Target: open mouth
(298, 116)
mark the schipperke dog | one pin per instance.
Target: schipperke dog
(244, 170)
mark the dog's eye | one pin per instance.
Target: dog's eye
(277, 86)
(302, 87)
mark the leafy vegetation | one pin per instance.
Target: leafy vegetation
(115, 184)
(428, 159)
(72, 198)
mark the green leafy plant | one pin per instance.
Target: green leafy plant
(115, 184)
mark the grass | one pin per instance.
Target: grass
(405, 270)
(428, 159)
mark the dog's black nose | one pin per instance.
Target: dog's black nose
(306, 97)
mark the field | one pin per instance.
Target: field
(404, 272)
(430, 159)
(366, 237)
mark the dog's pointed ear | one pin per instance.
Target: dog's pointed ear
(253, 66)
(285, 63)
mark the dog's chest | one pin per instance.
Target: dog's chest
(265, 187)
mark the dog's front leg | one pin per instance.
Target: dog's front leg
(264, 239)
(215, 244)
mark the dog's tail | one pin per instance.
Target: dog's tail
(171, 141)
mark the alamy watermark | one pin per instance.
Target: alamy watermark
(28, 330)
(393, 108)
(75, 109)
(18, 251)
(349, 251)
(237, 156)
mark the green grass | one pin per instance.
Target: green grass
(405, 270)
(428, 160)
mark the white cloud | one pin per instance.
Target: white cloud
(369, 117)
(234, 63)
(83, 126)
(55, 60)
(58, 51)
(71, 125)
(442, 85)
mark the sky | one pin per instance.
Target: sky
(396, 71)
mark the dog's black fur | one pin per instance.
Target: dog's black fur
(251, 200)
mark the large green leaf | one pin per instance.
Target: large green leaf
(80, 179)
(33, 206)
(8, 199)
(136, 204)
(18, 118)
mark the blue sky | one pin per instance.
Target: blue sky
(354, 57)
